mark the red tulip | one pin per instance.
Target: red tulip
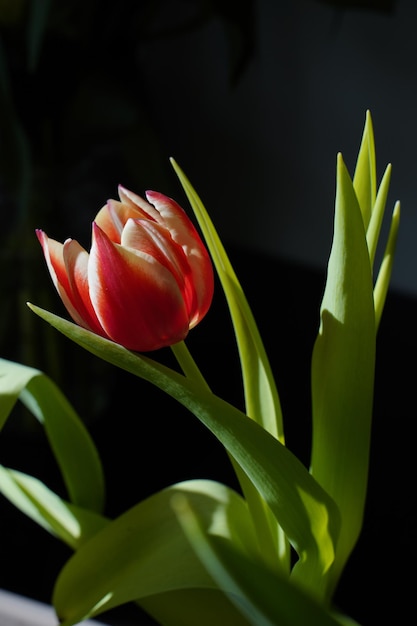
(147, 280)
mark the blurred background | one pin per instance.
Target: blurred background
(254, 99)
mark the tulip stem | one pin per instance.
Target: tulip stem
(266, 533)
(188, 365)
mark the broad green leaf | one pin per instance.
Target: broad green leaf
(343, 371)
(264, 598)
(145, 552)
(188, 607)
(261, 395)
(72, 524)
(304, 510)
(71, 444)
(204, 606)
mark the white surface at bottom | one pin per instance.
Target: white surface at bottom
(17, 610)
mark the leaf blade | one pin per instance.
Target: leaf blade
(343, 365)
(144, 552)
(70, 441)
(308, 516)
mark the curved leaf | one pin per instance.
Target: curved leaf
(71, 523)
(304, 510)
(144, 552)
(71, 444)
(188, 607)
(264, 598)
(261, 395)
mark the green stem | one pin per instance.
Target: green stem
(269, 542)
(188, 365)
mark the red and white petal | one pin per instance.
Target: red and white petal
(54, 256)
(53, 253)
(136, 299)
(76, 262)
(113, 216)
(133, 200)
(153, 239)
(185, 234)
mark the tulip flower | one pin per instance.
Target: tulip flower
(148, 277)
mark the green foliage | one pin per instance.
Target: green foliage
(70, 442)
(197, 551)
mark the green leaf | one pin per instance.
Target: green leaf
(304, 510)
(343, 371)
(372, 207)
(377, 214)
(71, 523)
(261, 394)
(71, 444)
(13, 378)
(188, 607)
(385, 271)
(364, 179)
(264, 598)
(144, 552)
(344, 353)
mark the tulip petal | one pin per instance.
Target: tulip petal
(183, 232)
(53, 253)
(54, 256)
(155, 240)
(76, 263)
(113, 216)
(140, 204)
(136, 299)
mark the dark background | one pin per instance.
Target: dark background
(254, 99)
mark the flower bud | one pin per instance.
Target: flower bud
(148, 277)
